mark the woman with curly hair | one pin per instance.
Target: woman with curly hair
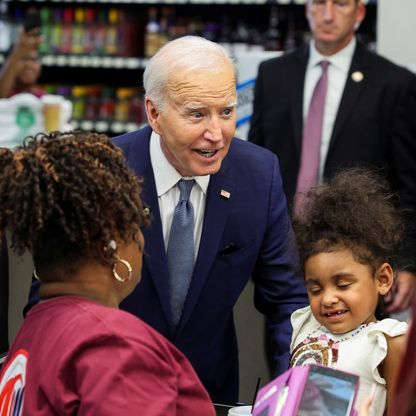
(70, 199)
(347, 235)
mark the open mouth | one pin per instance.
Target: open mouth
(335, 313)
(207, 153)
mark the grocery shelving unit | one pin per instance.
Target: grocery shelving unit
(229, 21)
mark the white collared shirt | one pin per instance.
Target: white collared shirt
(337, 76)
(166, 178)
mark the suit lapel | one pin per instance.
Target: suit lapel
(298, 78)
(217, 209)
(352, 91)
(156, 265)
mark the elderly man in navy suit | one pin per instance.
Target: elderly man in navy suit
(241, 227)
(219, 217)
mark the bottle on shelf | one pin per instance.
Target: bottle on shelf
(112, 33)
(89, 31)
(290, 39)
(210, 31)
(151, 37)
(79, 95)
(99, 38)
(225, 35)
(63, 90)
(66, 34)
(130, 38)
(77, 44)
(137, 111)
(55, 30)
(165, 20)
(106, 107)
(240, 37)
(274, 37)
(92, 103)
(122, 107)
(46, 27)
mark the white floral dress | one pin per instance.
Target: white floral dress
(360, 351)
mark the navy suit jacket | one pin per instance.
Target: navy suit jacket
(4, 296)
(375, 125)
(247, 234)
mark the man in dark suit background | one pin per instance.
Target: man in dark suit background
(4, 296)
(368, 116)
(242, 227)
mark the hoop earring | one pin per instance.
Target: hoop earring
(129, 269)
(35, 274)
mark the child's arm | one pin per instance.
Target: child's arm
(391, 364)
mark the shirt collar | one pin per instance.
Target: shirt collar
(166, 176)
(341, 59)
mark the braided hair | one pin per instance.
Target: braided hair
(65, 196)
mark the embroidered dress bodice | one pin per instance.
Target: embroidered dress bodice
(360, 351)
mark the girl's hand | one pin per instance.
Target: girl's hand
(364, 409)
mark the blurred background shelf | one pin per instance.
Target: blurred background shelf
(94, 52)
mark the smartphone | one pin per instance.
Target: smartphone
(328, 392)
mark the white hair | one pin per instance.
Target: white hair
(187, 52)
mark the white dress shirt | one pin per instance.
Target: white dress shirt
(166, 178)
(337, 76)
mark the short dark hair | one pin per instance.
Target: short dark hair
(354, 210)
(65, 196)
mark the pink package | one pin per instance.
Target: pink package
(308, 390)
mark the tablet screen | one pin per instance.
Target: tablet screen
(328, 392)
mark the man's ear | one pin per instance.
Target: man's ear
(384, 278)
(361, 11)
(153, 114)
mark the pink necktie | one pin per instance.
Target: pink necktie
(311, 142)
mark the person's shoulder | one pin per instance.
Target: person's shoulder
(285, 59)
(389, 327)
(250, 154)
(302, 316)
(388, 69)
(244, 148)
(118, 324)
(303, 322)
(125, 140)
(126, 324)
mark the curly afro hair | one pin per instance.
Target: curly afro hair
(65, 196)
(354, 210)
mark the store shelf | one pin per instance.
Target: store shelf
(94, 61)
(105, 126)
(72, 64)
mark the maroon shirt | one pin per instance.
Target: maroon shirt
(74, 356)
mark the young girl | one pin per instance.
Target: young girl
(347, 234)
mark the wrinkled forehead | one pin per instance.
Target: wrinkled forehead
(199, 83)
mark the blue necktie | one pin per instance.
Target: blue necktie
(181, 250)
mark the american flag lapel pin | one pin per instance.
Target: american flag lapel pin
(225, 194)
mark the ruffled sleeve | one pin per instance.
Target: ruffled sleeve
(302, 322)
(377, 337)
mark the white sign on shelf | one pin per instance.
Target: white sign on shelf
(247, 62)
